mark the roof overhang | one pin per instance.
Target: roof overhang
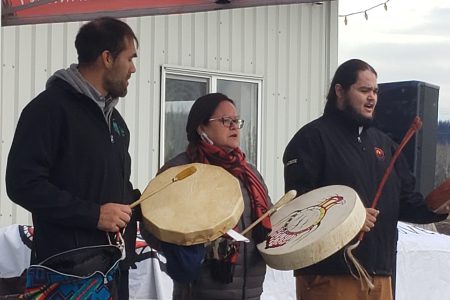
(18, 12)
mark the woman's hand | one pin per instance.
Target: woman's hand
(371, 218)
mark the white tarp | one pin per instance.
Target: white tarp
(423, 264)
(423, 268)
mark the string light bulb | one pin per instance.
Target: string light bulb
(366, 15)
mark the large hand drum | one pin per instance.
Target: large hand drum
(312, 227)
(197, 209)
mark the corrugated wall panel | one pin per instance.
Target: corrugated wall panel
(248, 40)
(225, 33)
(200, 42)
(12, 86)
(212, 40)
(40, 55)
(269, 105)
(293, 55)
(186, 38)
(281, 95)
(293, 47)
(148, 110)
(8, 120)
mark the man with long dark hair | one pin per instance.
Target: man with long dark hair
(342, 148)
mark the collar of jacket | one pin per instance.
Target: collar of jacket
(344, 119)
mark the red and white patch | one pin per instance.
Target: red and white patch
(379, 153)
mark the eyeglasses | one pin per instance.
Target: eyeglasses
(228, 122)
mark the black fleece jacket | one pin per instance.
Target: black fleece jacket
(331, 151)
(63, 164)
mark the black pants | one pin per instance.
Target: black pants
(119, 286)
(183, 291)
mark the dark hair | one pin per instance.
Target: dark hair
(102, 34)
(346, 75)
(200, 113)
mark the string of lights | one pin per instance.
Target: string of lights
(384, 4)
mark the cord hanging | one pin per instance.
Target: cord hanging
(366, 15)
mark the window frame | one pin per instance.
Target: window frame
(212, 76)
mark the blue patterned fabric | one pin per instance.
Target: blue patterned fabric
(78, 274)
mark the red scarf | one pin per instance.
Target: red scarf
(235, 163)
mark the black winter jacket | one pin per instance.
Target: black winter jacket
(63, 164)
(331, 151)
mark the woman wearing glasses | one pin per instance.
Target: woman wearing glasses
(213, 131)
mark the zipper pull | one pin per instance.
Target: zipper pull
(360, 129)
(112, 139)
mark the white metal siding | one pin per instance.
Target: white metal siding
(294, 48)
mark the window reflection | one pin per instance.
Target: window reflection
(180, 95)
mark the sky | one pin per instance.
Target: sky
(408, 41)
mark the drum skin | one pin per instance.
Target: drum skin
(312, 227)
(439, 197)
(197, 209)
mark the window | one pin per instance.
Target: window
(182, 86)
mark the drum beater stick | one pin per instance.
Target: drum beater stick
(283, 200)
(180, 176)
(415, 126)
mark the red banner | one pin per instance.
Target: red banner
(16, 12)
(41, 8)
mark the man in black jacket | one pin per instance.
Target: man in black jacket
(69, 163)
(342, 147)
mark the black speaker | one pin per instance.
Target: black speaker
(398, 104)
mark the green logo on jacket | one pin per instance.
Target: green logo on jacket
(118, 129)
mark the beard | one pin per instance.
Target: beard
(355, 116)
(115, 87)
